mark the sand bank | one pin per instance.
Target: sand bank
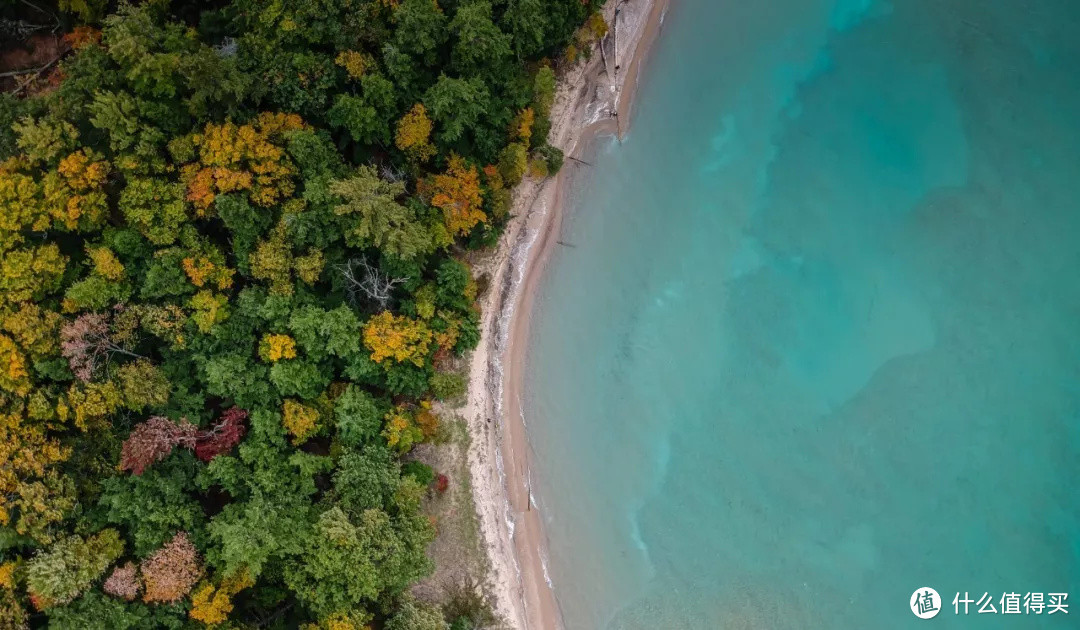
(593, 98)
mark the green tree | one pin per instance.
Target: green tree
(143, 385)
(97, 611)
(420, 29)
(236, 376)
(358, 416)
(525, 20)
(366, 479)
(456, 105)
(30, 274)
(155, 207)
(513, 162)
(344, 565)
(448, 385)
(245, 224)
(321, 333)
(479, 46)
(123, 118)
(367, 118)
(67, 568)
(45, 139)
(300, 378)
(373, 216)
(153, 506)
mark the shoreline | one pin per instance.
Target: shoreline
(511, 526)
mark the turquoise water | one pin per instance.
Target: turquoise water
(818, 343)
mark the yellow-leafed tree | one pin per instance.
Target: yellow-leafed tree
(414, 134)
(274, 348)
(397, 337)
(32, 490)
(299, 420)
(523, 124)
(212, 605)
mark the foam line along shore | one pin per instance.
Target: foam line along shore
(594, 98)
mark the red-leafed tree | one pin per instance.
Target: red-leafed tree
(153, 440)
(224, 435)
(123, 583)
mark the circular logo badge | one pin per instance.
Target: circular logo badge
(925, 603)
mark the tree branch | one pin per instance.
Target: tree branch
(15, 73)
(369, 281)
(37, 73)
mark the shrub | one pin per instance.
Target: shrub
(513, 161)
(448, 385)
(553, 156)
(419, 471)
(465, 600)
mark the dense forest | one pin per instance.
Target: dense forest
(231, 282)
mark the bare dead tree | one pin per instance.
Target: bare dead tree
(367, 282)
(23, 28)
(19, 30)
(227, 47)
(56, 20)
(391, 173)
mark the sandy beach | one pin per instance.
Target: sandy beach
(593, 98)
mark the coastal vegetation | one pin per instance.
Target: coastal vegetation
(232, 278)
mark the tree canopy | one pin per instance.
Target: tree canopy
(231, 270)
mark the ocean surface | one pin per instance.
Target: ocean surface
(816, 340)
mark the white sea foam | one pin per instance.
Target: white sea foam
(544, 566)
(519, 257)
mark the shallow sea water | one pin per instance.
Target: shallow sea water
(818, 343)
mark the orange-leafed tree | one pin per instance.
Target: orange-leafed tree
(247, 158)
(457, 193)
(75, 193)
(170, 572)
